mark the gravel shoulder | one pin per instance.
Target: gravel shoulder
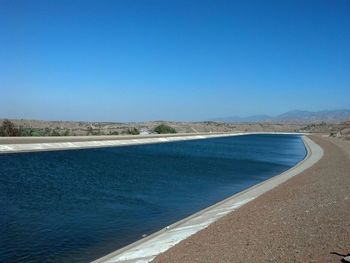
(305, 219)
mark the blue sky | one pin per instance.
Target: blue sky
(175, 60)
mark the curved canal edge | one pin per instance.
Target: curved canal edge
(38, 144)
(146, 249)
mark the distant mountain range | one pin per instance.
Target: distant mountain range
(294, 116)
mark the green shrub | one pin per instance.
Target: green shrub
(163, 128)
(133, 131)
(37, 133)
(25, 131)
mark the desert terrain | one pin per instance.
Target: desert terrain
(70, 128)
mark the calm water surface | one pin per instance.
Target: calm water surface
(78, 205)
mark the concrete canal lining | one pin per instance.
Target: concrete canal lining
(32, 144)
(45, 144)
(149, 247)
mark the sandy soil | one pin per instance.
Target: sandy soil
(303, 220)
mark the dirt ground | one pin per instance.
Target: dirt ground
(306, 219)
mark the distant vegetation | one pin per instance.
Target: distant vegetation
(163, 128)
(132, 131)
(8, 129)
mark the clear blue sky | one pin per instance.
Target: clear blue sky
(175, 60)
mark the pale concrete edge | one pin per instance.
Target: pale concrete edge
(304, 164)
(120, 142)
(79, 145)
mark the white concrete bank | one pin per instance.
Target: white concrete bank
(54, 146)
(148, 248)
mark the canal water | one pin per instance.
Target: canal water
(78, 205)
